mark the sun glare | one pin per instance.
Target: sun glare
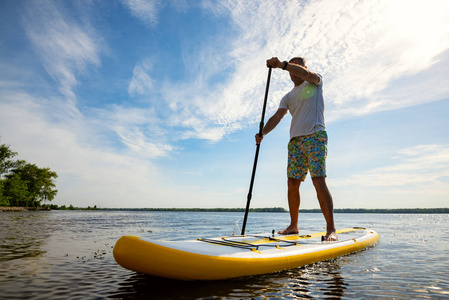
(421, 28)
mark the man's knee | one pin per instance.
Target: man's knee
(320, 184)
(319, 181)
(293, 183)
(321, 187)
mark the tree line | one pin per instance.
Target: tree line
(64, 207)
(24, 184)
(383, 211)
(266, 209)
(282, 210)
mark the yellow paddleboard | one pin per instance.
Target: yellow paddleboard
(235, 256)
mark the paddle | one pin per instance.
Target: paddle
(257, 153)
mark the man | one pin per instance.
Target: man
(307, 148)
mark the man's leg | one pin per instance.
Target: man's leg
(327, 206)
(293, 205)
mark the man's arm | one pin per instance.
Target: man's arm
(295, 69)
(271, 124)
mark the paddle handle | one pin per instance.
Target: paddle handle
(256, 157)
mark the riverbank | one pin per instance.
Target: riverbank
(18, 208)
(279, 209)
(270, 209)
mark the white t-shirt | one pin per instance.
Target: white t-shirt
(306, 105)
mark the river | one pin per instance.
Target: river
(68, 255)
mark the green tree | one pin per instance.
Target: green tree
(6, 162)
(39, 184)
(3, 200)
(16, 191)
(6, 165)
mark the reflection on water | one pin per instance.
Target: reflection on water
(22, 235)
(318, 280)
(68, 255)
(323, 278)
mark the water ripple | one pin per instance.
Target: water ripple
(59, 255)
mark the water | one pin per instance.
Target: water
(68, 255)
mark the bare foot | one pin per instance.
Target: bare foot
(289, 230)
(330, 237)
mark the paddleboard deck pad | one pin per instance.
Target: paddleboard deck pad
(235, 256)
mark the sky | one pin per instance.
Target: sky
(156, 103)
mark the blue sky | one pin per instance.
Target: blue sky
(156, 103)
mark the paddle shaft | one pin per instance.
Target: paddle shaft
(256, 157)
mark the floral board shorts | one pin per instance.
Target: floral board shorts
(307, 153)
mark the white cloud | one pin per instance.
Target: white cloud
(138, 142)
(104, 153)
(422, 167)
(141, 83)
(359, 47)
(90, 172)
(417, 176)
(66, 46)
(148, 10)
(140, 130)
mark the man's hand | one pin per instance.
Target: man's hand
(274, 63)
(259, 139)
(271, 124)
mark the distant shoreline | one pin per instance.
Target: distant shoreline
(280, 209)
(19, 208)
(268, 209)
